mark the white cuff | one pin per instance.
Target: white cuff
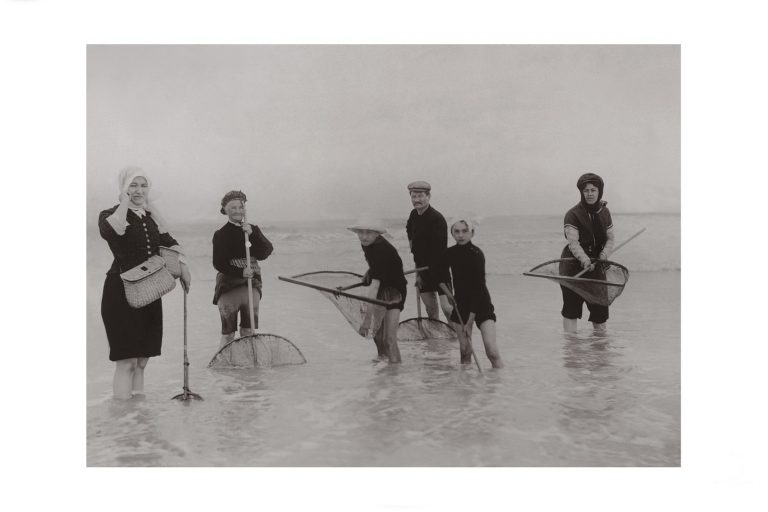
(182, 257)
(117, 223)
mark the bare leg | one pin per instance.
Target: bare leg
(123, 379)
(488, 330)
(226, 338)
(380, 340)
(465, 349)
(430, 304)
(569, 325)
(138, 375)
(391, 320)
(599, 328)
(245, 331)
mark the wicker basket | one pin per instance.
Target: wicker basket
(146, 283)
(172, 263)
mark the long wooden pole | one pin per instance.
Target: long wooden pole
(187, 394)
(625, 242)
(250, 282)
(419, 321)
(460, 332)
(362, 283)
(335, 291)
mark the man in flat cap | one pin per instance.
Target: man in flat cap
(428, 238)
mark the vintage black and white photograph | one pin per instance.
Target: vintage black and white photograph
(418, 255)
(403, 256)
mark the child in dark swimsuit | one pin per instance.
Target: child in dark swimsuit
(466, 263)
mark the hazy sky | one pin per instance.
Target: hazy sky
(330, 131)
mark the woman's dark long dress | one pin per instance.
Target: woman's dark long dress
(131, 332)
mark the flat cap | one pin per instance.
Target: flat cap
(420, 185)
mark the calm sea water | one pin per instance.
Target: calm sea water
(562, 400)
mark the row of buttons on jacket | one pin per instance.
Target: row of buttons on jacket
(146, 232)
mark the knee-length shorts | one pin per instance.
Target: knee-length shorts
(235, 302)
(573, 306)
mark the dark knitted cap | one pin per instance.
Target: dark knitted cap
(229, 196)
(586, 179)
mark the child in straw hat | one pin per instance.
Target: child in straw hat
(387, 283)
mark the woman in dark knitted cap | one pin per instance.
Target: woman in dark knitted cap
(134, 230)
(589, 231)
(231, 292)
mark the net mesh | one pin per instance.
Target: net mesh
(352, 303)
(257, 350)
(415, 329)
(600, 286)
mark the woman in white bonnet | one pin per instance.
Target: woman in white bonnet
(134, 230)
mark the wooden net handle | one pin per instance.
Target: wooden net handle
(460, 331)
(622, 244)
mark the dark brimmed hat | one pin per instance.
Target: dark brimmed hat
(419, 186)
(230, 196)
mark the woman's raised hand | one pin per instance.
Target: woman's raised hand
(247, 228)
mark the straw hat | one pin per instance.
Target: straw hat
(367, 221)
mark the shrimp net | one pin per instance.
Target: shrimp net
(257, 350)
(346, 291)
(600, 286)
(424, 328)
(421, 328)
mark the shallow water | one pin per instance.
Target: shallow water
(562, 400)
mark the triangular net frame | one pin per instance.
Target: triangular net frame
(421, 328)
(600, 286)
(257, 350)
(352, 305)
(424, 328)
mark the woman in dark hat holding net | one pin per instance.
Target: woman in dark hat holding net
(231, 292)
(589, 231)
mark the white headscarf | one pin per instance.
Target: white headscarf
(126, 177)
(468, 217)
